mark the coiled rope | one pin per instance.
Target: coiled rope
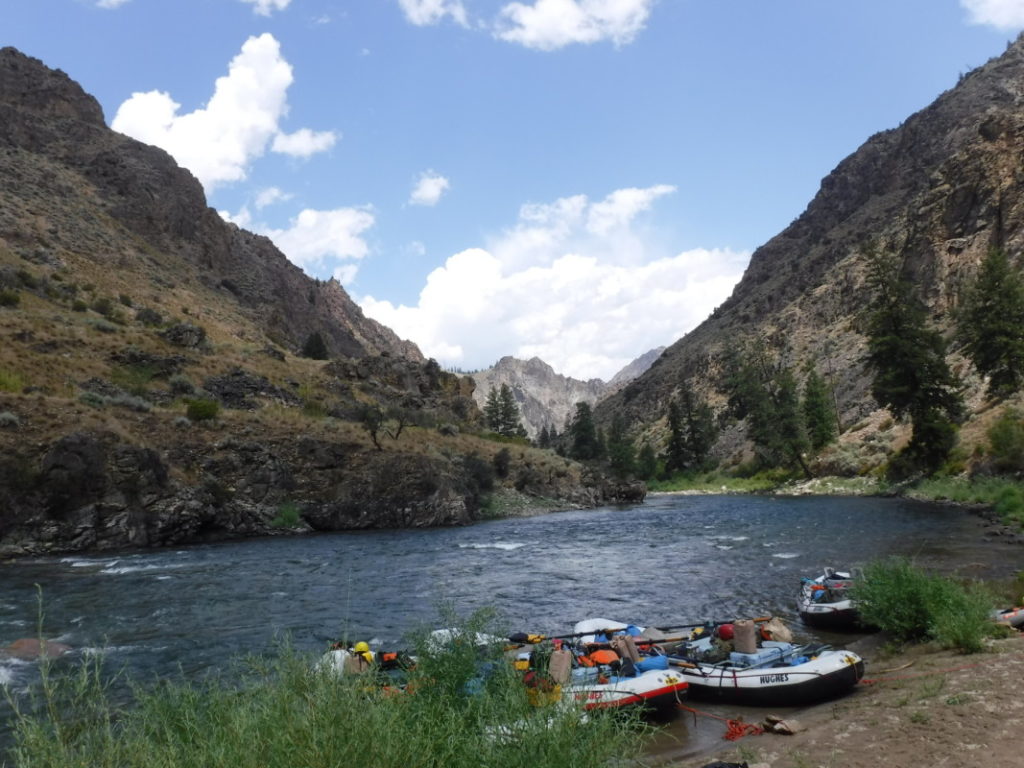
(734, 729)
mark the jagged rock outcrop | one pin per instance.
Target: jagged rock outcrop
(55, 144)
(938, 191)
(545, 398)
(548, 399)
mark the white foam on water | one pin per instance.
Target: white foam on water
(786, 555)
(140, 568)
(8, 668)
(506, 545)
(722, 546)
(163, 578)
(724, 537)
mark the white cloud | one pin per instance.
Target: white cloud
(551, 287)
(110, 3)
(242, 219)
(426, 12)
(219, 141)
(1003, 14)
(304, 142)
(266, 7)
(428, 190)
(346, 273)
(270, 196)
(551, 24)
(319, 239)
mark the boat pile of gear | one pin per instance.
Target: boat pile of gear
(607, 664)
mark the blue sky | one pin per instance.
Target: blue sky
(580, 180)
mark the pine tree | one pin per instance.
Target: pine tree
(991, 324)
(700, 429)
(582, 434)
(315, 348)
(675, 460)
(911, 377)
(646, 463)
(544, 438)
(492, 410)
(819, 413)
(508, 414)
(621, 453)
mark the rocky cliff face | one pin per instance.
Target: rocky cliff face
(55, 143)
(548, 399)
(545, 398)
(938, 191)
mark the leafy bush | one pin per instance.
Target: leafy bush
(201, 409)
(92, 399)
(134, 378)
(913, 605)
(9, 298)
(181, 384)
(132, 402)
(125, 299)
(502, 460)
(287, 516)
(315, 347)
(103, 306)
(149, 317)
(1006, 441)
(79, 306)
(11, 381)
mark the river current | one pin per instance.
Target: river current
(671, 560)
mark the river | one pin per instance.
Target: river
(670, 560)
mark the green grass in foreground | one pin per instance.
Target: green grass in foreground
(284, 712)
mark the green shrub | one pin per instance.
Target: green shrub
(181, 384)
(92, 399)
(287, 516)
(79, 306)
(103, 306)
(125, 299)
(1006, 441)
(149, 317)
(913, 605)
(9, 298)
(27, 279)
(134, 378)
(201, 409)
(9, 420)
(11, 381)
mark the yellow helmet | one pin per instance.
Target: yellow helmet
(361, 647)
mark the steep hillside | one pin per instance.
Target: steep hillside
(938, 191)
(150, 391)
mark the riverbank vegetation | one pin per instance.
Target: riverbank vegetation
(913, 605)
(286, 710)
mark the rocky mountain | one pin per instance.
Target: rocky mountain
(634, 369)
(938, 191)
(546, 398)
(150, 390)
(56, 143)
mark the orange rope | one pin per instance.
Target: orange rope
(734, 729)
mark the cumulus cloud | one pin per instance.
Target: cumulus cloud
(551, 24)
(553, 287)
(428, 190)
(318, 239)
(1002, 14)
(110, 3)
(304, 142)
(266, 7)
(219, 141)
(270, 196)
(426, 12)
